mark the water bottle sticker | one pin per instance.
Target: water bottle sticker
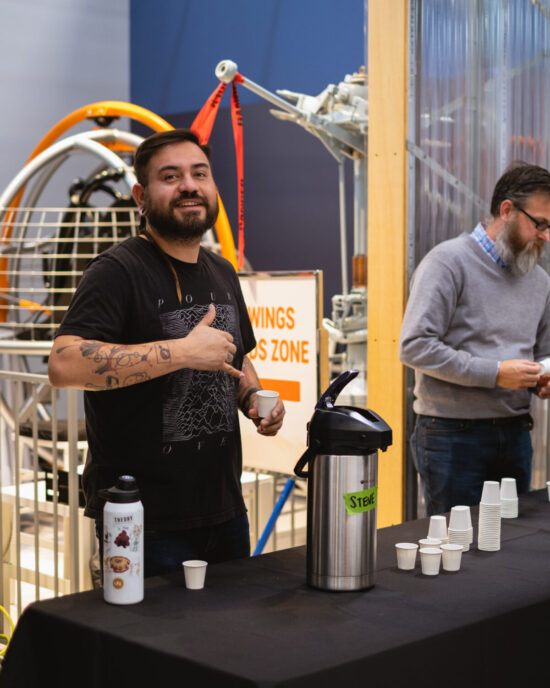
(136, 538)
(125, 538)
(119, 564)
(122, 539)
(359, 502)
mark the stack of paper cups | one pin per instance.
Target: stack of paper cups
(438, 529)
(460, 528)
(488, 537)
(508, 498)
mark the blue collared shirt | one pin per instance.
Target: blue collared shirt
(487, 244)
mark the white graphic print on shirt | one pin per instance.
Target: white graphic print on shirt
(197, 402)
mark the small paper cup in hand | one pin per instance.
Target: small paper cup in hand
(266, 402)
(450, 557)
(430, 559)
(195, 572)
(406, 555)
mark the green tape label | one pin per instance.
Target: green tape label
(359, 502)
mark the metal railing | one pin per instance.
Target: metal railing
(44, 537)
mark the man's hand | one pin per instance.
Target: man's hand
(206, 348)
(272, 423)
(518, 374)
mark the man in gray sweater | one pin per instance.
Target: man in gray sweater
(477, 320)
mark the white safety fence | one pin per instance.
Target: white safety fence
(45, 540)
(47, 544)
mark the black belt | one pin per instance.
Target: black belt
(503, 420)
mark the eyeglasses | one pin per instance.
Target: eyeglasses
(539, 226)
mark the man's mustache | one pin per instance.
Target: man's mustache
(188, 196)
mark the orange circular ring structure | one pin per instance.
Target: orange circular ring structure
(115, 108)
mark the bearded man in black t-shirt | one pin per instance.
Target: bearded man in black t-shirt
(157, 334)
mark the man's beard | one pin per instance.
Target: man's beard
(190, 227)
(521, 257)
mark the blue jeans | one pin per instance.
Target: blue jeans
(454, 457)
(165, 550)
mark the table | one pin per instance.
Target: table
(257, 623)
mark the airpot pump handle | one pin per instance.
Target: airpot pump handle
(302, 461)
(329, 397)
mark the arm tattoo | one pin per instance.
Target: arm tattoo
(135, 378)
(111, 382)
(248, 385)
(163, 353)
(111, 360)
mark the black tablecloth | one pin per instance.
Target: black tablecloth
(257, 623)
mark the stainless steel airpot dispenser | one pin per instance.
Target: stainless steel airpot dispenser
(342, 460)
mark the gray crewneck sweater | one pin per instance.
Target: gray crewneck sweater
(465, 314)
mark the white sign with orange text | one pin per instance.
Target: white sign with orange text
(284, 309)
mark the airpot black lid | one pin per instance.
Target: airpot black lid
(124, 492)
(345, 429)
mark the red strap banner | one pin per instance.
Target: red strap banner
(202, 126)
(204, 121)
(237, 119)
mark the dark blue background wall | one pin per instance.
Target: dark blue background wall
(291, 181)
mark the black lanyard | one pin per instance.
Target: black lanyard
(151, 238)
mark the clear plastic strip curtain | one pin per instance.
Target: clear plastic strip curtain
(479, 99)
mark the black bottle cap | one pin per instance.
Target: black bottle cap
(124, 492)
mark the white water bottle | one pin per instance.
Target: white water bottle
(123, 542)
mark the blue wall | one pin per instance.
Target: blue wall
(291, 193)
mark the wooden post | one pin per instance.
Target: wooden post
(387, 235)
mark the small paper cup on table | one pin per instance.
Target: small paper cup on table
(195, 573)
(406, 555)
(430, 559)
(266, 402)
(508, 488)
(451, 556)
(438, 528)
(429, 542)
(548, 488)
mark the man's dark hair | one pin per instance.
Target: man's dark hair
(519, 181)
(155, 142)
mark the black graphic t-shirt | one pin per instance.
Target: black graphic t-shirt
(179, 433)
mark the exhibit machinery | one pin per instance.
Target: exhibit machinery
(338, 117)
